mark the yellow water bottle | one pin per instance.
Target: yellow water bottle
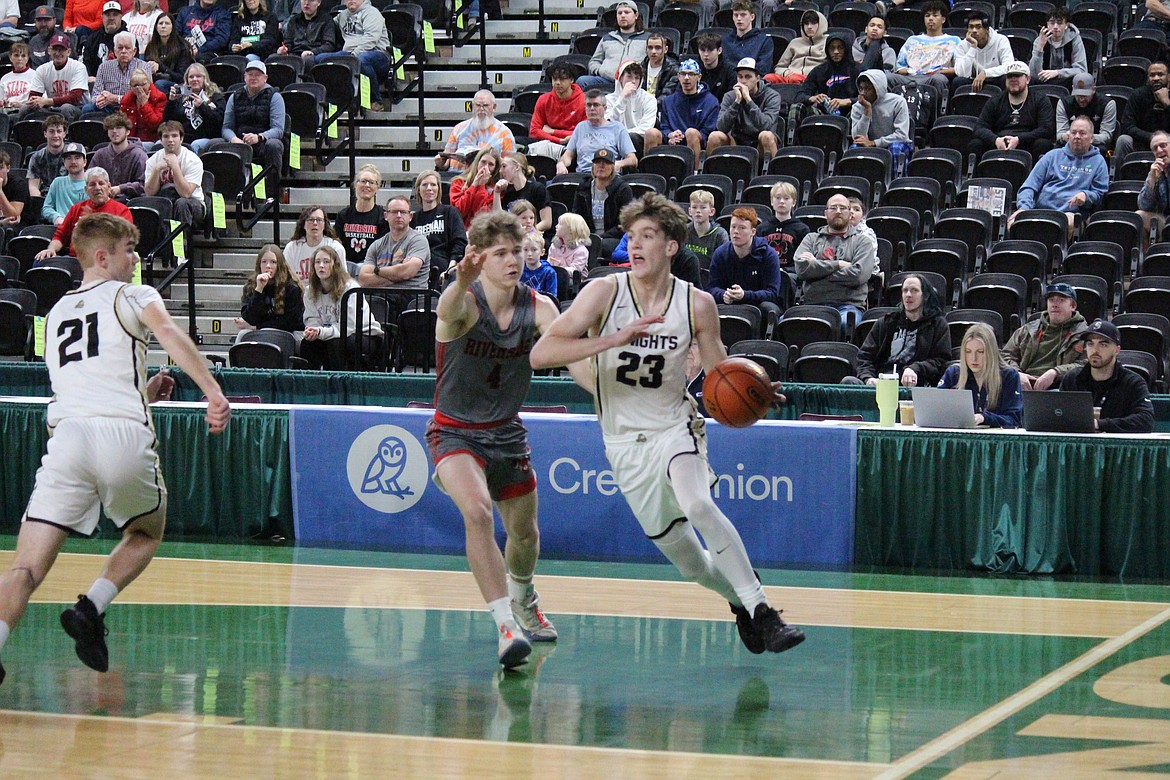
(887, 399)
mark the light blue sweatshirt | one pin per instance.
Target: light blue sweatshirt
(63, 193)
(1059, 175)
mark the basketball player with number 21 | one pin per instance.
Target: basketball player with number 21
(102, 445)
(640, 327)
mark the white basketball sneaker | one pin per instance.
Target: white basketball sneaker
(514, 646)
(533, 620)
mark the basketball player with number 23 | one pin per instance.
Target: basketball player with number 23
(640, 326)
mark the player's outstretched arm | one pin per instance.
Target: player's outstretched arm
(546, 315)
(179, 347)
(562, 345)
(456, 311)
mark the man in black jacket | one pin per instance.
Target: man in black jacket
(310, 33)
(914, 340)
(1147, 110)
(1121, 394)
(603, 192)
(1015, 118)
(718, 74)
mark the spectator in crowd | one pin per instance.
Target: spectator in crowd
(746, 269)
(688, 115)
(746, 40)
(473, 190)
(83, 16)
(1154, 199)
(273, 298)
(1145, 111)
(254, 115)
(627, 42)
(1047, 348)
(1059, 52)
(595, 133)
(100, 46)
(207, 27)
(748, 114)
(123, 159)
(633, 107)
(198, 106)
(717, 72)
(62, 83)
(994, 385)
(1072, 179)
(324, 345)
(570, 246)
(48, 162)
(140, 22)
(144, 105)
(364, 35)
(13, 194)
(537, 273)
(913, 341)
(556, 114)
(97, 187)
(1122, 396)
(600, 199)
(67, 189)
(17, 84)
(311, 232)
(167, 54)
(835, 262)
(311, 32)
(983, 56)
(401, 259)
(45, 21)
(1084, 101)
(479, 132)
(871, 49)
(524, 211)
(804, 52)
(440, 223)
(359, 225)
(783, 231)
(831, 88)
(880, 118)
(929, 58)
(113, 76)
(517, 182)
(1015, 118)
(255, 31)
(704, 236)
(660, 68)
(176, 173)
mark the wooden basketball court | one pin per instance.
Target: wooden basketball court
(241, 661)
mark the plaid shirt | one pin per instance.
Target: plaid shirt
(111, 78)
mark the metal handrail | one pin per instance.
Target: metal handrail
(187, 265)
(270, 204)
(478, 26)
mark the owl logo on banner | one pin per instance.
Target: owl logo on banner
(387, 468)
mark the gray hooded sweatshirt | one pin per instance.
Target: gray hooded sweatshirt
(1066, 55)
(889, 121)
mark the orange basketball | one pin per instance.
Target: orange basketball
(737, 392)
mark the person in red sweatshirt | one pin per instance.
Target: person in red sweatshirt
(556, 114)
(471, 192)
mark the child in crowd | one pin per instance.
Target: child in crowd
(537, 273)
(526, 212)
(783, 231)
(703, 235)
(570, 246)
(17, 83)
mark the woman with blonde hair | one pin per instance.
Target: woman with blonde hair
(254, 30)
(473, 192)
(364, 222)
(994, 385)
(198, 106)
(517, 183)
(440, 223)
(324, 345)
(272, 298)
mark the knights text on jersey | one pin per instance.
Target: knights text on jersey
(643, 385)
(95, 349)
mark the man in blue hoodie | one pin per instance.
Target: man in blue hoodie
(748, 40)
(206, 26)
(747, 269)
(688, 114)
(1072, 179)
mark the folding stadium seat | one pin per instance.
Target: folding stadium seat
(1150, 294)
(921, 193)
(807, 324)
(1126, 71)
(853, 15)
(1048, 226)
(804, 163)
(964, 8)
(15, 333)
(49, 284)
(738, 163)
(899, 225)
(718, 185)
(1157, 260)
(681, 17)
(771, 355)
(1014, 165)
(587, 41)
(524, 98)
(944, 256)
(909, 18)
(952, 132)
(968, 101)
(1144, 365)
(849, 186)
(1122, 196)
(1123, 228)
(1135, 166)
(1105, 259)
(563, 188)
(1032, 15)
(739, 322)
(868, 319)
(1139, 42)
(826, 362)
(672, 162)
(1147, 332)
(1098, 16)
(828, 133)
(1006, 294)
(874, 164)
(644, 183)
(959, 320)
(943, 165)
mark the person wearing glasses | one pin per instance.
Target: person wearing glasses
(835, 262)
(401, 259)
(312, 232)
(479, 132)
(363, 223)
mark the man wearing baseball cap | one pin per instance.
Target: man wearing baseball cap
(600, 198)
(627, 42)
(1047, 348)
(99, 44)
(1015, 118)
(1084, 101)
(63, 81)
(46, 22)
(1122, 396)
(688, 114)
(254, 115)
(749, 112)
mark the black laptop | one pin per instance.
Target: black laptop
(1058, 412)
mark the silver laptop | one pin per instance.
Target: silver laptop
(936, 407)
(1058, 412)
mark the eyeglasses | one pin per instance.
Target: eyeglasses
(370, 182)
(314, 221)
(836, 208)
(482, 105)
(397, 212)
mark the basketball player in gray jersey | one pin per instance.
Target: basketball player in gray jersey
(640, 326)
(487, 324)
(101, 447)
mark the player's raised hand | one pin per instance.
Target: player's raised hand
(636, 329)
(468, 269)
(218, 413)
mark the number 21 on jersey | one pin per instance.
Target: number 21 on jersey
(71, 333)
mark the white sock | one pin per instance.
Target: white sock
(101, 593)
(519, 591)
(4, 631)
(751, 596)
(501, 610)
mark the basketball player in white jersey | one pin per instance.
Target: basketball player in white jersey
(487, 324)
(640, 326)
(102, 446)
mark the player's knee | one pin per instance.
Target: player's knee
(478, 516)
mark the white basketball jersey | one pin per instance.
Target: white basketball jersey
(643, 385)
(95, 348)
